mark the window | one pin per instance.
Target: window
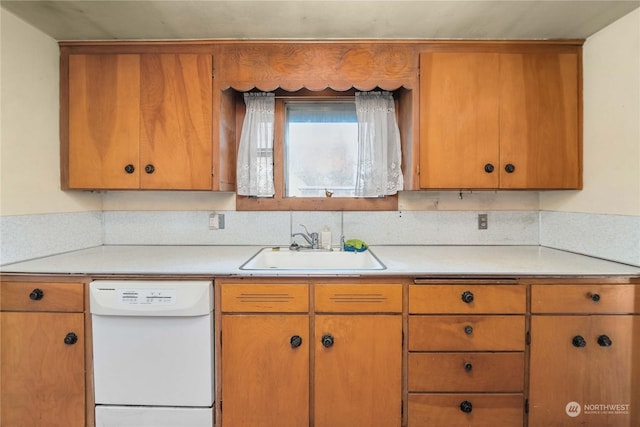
(315, 155)
(320, 149)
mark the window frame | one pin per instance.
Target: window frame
(279, 202)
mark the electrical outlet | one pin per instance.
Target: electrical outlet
(216, 221)
(483, 222)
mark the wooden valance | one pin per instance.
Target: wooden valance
(316, 66)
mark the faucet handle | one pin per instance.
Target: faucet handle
(305, 229)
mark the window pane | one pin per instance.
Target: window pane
(321, 149)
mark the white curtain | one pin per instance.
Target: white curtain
(379, 156)
(255, 154)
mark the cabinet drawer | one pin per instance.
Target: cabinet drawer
(485, 410)
(445, 372)
(42, 296)
(265, 298)
(467, 299)
(466, 333)
(585, 298)
(379, 298)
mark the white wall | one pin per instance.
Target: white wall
(36, 217)
(611, 143)
(603, 219)
(29, 137)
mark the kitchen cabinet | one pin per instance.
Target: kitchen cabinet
(265, 354)
(500, 116)
(343, 353)
(137, 121)
(584, 358)
(466, 361)
(42, 351)
(358, 354)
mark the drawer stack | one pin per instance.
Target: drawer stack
(466, 363)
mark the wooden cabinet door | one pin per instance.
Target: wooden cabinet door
(176, 121)
(459, 119)
(539, 132)
(357, 379)
(42, 376)
(593, 385)
(104, 122)
(265, 379)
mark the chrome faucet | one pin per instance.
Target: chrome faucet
(311, 238)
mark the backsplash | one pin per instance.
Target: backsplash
(33, 236)
(275, 228)
(612, 237)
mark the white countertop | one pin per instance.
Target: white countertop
(512, 261)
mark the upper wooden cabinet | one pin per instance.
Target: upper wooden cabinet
(137, 121)
(500, 116)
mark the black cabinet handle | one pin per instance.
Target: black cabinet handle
(296, 341)
(468, 329)
(149, 168)
(595, 297)
(36, 294)
(71, 338)
(578, 341)
(129, 168)
(466, 406)
(327, 340)
(604, 341)
(468, 366)
(467, 296)
(509, 168)
(488, 168)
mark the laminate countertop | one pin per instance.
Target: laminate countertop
(410, 260)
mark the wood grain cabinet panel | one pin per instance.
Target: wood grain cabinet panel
(467, 299)
(451, 372)
(466, 333)
(265, 378)
(459, 119)
(138, 121)
(500, 116)
(24, 296)
(285, 363)
(357, 377)
(585, 298)
(42, 348)
(361, 298)
(584, 371)
(480, 410)
(104, 121)
(266, 298)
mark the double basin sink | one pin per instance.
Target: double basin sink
(277, 258)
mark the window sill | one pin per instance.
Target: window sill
(244, 203)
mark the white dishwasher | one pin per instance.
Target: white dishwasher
(153, 353)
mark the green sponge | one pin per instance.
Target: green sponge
(355, 245)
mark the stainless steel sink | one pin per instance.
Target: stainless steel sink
(285, 259)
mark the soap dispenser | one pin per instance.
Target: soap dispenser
(325, 238)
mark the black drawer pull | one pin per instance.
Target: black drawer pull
(37, 294)
(466, 407)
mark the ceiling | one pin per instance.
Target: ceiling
(310, 19)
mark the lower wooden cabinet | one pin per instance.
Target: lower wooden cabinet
(334, 363)
(358, 370)
(42, 352)
(265, 370)
(585, 355)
